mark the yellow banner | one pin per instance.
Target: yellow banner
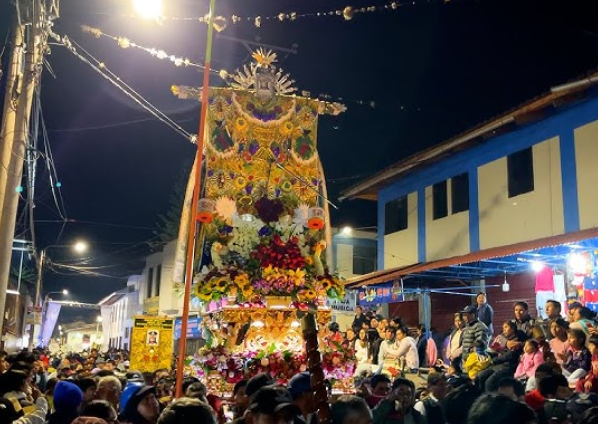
(151, 343)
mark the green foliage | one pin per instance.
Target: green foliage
(167, 226)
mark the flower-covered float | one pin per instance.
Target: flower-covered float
(262, 259)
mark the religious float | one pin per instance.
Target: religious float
(261, 259)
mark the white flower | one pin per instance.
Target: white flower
(226, 208)
(301, 214)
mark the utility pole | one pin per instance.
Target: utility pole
(14, 79)
(32, 27)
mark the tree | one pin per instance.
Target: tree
(167, 226)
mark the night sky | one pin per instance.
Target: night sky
(433, 70)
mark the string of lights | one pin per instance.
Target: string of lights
(179, 61)
(101, 69)
(346, 13)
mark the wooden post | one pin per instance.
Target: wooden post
(314, 366)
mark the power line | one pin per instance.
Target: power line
(101, 69)
(113, 125)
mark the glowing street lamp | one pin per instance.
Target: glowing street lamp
(148, 9)
(80, 247)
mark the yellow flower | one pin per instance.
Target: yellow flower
(247, 292)
(310, 294)
(287, 128)
(297, 276)
(240, 124)
(326, 284)
(239, 182)
(242, 280)
(220, 284)
(204, 296)
(309, 260)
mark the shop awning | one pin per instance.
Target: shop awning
(512, 259)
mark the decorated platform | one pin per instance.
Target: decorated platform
(261, 256)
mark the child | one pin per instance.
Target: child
(478, 360)
(589, 384)
(577, 359)
(531, 358)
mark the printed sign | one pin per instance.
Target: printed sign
(193, 328)
(151, 305)
(151, 343)
(346, 304)
(384, 293)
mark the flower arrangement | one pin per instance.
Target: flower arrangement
(271, 253)
(338, 363)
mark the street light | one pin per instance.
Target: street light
(347, 231)
(148, 9)
(80, 247)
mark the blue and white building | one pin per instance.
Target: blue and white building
(520, 187)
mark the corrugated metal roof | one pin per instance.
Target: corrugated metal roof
(492, 253)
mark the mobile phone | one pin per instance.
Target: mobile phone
(227, 411)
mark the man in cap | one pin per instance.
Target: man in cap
(303, 398)
(272, 405)
(475, 330)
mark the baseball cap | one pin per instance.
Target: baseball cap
(272, 399)
(556, 409)
(135, 376)
(257, 382)
(469, 309)
(299, 384)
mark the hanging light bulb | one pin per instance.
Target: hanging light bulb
(505, 286)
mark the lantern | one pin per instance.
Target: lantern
(315, 218)
(205, 210)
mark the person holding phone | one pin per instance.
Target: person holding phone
(397, 407)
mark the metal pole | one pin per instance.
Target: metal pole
(196, 188)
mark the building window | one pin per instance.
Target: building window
(396, 215)
(149, 282)
(126, 332)
(460, 193)
(364, 259)
(520, 169)
(158, 279)
(440, 200)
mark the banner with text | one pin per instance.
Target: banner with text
(383, 293)
(193, 328)
(346, 304)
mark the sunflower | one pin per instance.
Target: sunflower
(242, 280)
(326, 285)
(240, 183)
(204, 296)
(287, 128)
(241, 124)
(247, 291)
(310, 294)
(220, 284)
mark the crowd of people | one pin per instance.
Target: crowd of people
(542, 371)
(533, 370)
